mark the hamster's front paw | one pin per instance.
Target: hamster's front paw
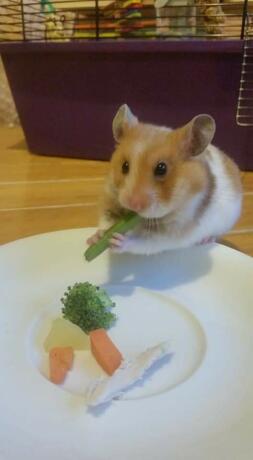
(119, 243)
(208, 240)
(93, 239)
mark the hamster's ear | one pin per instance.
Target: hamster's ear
(198, 134)
(123, 120)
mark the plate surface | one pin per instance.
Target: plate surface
(198, 405)
(144, 319)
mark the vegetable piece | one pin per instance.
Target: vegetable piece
(60, 362)
(58, 372)
(104, 351)
(124, 225)
(103, 390)
(64, 355)
(63, 333)
(88, 306)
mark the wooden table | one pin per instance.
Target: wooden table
(42, 194)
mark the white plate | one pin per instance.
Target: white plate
(197, 405)
(163, 319)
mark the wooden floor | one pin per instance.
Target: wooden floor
(41, 194)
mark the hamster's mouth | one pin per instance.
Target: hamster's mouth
(150, 213)
(153, 211)
(157, 213)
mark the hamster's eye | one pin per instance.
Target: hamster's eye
(160, 169)
(125, 167)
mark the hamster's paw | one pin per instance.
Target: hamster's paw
(93, 239)
(119, 243)
(208, 240)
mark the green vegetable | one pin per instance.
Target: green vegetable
(88, 306)
(124, 225)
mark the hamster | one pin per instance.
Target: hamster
(186, 190)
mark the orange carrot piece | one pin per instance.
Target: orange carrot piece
(104, 351)
(67, 356)
(57, 372)
(60, 362)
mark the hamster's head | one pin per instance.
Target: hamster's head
(152, 168)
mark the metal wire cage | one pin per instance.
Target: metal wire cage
(65, 20)
(244, 116)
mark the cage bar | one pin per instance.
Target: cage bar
(244, 114)
(68, 20)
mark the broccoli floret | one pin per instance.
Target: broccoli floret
(88, 306)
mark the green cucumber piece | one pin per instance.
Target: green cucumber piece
(124, 225)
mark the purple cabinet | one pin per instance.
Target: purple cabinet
(67, 93)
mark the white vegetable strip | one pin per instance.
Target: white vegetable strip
(130, 371)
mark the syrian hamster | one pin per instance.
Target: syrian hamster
(186, 190)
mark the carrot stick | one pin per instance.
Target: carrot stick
(104, 351)
(60, 362)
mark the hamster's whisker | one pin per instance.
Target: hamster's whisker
(157, 225)
(153, 224)
(149, 226)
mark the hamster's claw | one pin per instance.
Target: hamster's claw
(208, 240)
(93, 239)
(118, 242)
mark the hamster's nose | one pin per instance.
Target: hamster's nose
(136, 204)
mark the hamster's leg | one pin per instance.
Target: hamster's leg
(119, 242)
(208, 240)
(104, 224)
(132, 244)
(93, 239)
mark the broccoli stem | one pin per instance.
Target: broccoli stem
(124, 225)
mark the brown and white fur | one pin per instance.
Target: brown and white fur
(197, 200)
